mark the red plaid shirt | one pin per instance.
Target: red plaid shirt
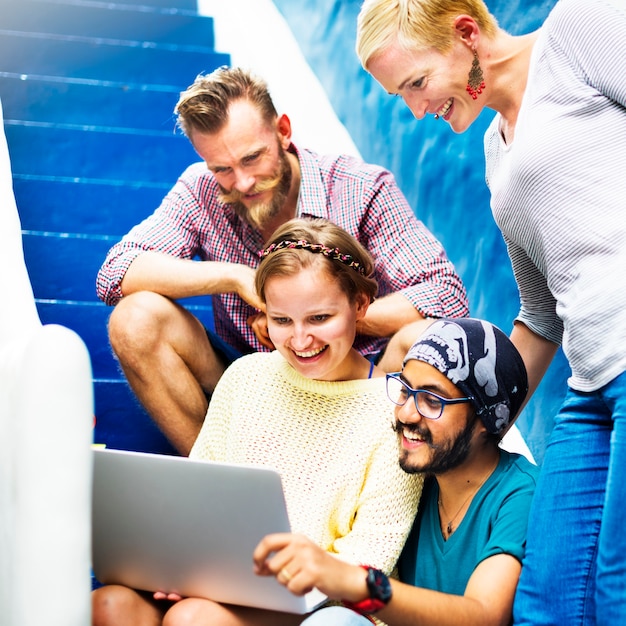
(361, 198)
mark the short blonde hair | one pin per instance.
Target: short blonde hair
(415, 24)
(315, 233)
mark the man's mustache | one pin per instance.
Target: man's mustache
(423, 433)
(231, 197)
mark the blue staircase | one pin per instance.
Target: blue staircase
(88, 90)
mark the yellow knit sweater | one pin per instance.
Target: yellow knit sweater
(332, 444)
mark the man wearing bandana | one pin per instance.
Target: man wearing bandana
(462, 385)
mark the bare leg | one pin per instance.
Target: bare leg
(399, 345)
(199, 612)
(168, 362)
(115, 605)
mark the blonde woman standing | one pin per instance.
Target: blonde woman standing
(555, 155)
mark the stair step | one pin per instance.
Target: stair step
(54, 205)
(121, 422)
(165, 5)
(89, 320)
(64, 101)
(125, 22)
(48, 55)
(63, 266)
(88, 89)
(53, 151)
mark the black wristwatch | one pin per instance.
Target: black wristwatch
(379, 589)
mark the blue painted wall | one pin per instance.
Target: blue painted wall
(441, 173)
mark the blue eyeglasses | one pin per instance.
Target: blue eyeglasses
(428, 404)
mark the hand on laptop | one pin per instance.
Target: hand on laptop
(172, 597)
(301, 565)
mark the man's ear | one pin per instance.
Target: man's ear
(283, 127)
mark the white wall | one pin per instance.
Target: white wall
(257, 37)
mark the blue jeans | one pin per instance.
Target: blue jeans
(336, 616)
(574, 571)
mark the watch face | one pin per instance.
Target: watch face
(378, 585)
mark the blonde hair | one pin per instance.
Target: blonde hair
(351, 264)
(205, 104)
(415, 24)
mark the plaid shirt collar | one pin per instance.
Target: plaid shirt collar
(312, 196)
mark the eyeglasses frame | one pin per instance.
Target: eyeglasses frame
(413, 393)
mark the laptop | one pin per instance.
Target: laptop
(168, 523)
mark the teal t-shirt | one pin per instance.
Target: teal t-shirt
(495, 523)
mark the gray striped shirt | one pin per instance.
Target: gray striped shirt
(559, 189)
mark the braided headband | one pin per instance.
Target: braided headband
(317, 248)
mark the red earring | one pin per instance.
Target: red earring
(475, 82)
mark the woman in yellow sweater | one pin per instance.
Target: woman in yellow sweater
(316, 410)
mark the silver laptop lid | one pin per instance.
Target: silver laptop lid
(174, 524)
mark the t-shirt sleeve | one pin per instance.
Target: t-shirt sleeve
(510, 522)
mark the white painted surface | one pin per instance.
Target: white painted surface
(46, 417)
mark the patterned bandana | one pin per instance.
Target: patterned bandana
(481, 361)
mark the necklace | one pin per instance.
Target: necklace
(449, 528)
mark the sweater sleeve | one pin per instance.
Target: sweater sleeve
(385, 510)
(171, 229)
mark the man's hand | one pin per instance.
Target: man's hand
(301, 565)
(242, 278)
(258, 323)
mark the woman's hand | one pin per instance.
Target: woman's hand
(162, 595)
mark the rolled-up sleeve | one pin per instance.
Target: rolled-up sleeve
(171, 229)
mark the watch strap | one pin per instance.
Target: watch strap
(379, 589)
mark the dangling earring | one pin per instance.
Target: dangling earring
(475, 82)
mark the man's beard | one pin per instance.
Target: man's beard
(260, 213)
(445, 457)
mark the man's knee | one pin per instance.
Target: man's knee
(137, 321)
